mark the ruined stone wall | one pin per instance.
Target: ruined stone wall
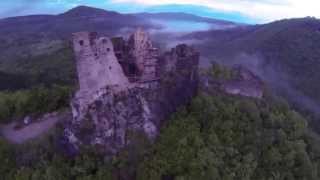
(242, 82)
(141, 107)
(146, 56)
(97, 66)
(243, 88)
(245, 83)
(96, 62)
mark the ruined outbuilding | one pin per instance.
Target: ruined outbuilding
(238, 81)
(127, 86)
(245, 84)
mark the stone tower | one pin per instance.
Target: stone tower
(146, 56)
(97, 68)
(97, 65)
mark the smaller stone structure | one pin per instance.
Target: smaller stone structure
(245, 84)
(240, 81)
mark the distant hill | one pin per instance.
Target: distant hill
(285, 53)
(27, 43)
(78, 19)
(33, 29)
(183, 17)
(21, 36)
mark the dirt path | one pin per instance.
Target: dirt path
(33, 130)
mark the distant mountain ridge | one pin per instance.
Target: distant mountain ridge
(38, 28)
(34, 45)
(284, 53)
(183, 16)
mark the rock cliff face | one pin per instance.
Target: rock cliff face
(116, 111)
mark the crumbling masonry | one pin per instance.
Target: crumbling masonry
(127, 86)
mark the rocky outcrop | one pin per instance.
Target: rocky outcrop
(235, 81)
(245, 84)
(114, 113)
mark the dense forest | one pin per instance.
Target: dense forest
(216, 137)
(284, 53)
(40, 70)
(33, 102)
(34, 85)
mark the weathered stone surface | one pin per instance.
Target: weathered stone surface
(243, 83)
(96, 66)
(114, 112)
(141, 48)
(246, 84)
(96, 62)
(243, 88)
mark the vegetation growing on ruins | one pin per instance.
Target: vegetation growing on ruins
(221, 72)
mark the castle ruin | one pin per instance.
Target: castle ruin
(127, 86)
(115, 63)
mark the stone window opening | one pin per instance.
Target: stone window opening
(81, 42)
(119, 55)
(108, 49)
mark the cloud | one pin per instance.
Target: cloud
(261, 10)
(27, 7)
(248, 11)
(18, 7)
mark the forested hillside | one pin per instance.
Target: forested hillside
(285, 54)
(290, 47)
(41, 70)
(216, 137)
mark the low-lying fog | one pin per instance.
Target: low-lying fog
(180, 26)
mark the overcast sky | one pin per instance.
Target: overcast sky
(248, 11)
